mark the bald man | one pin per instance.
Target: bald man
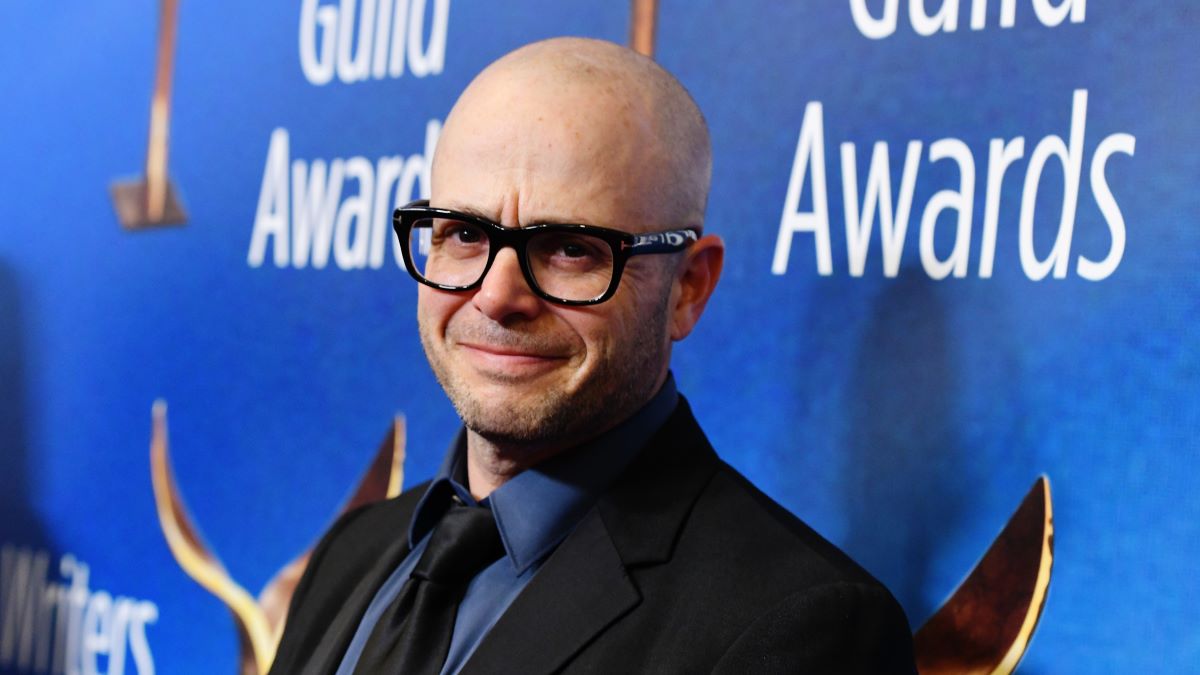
(587, 523)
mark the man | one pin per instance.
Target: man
(603, 533)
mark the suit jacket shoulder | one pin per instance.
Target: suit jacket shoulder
(731, 581)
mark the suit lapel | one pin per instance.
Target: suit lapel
(337, 636)
(646, 507)
(581, 589)
(584, 586)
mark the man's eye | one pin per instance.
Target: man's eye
(573, 250)
(577, 251)
(466, 234)
(457, 233)
(569, 250)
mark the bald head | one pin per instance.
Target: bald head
(599, 116)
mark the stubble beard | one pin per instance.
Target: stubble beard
(555, 417)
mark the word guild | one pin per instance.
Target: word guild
(390, 34)
(945, 19)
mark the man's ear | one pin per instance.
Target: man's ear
(695, 280)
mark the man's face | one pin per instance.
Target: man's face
(520, 369)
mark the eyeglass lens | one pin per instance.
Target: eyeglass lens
(565, 265)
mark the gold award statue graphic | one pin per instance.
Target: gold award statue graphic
(259, 620)
(153, 200)
(984, 627)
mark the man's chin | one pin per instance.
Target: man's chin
(516, 383)
(514, 421)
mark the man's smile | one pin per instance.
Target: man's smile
(509, 360)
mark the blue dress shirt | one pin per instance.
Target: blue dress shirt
(535, 511)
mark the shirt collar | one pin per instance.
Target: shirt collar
(537, 508)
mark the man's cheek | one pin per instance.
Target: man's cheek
(435, 313)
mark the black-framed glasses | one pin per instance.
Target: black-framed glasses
(567, 264)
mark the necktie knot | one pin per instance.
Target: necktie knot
(463, 543)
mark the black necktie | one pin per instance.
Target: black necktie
(412, 636)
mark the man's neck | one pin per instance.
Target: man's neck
(491, 464)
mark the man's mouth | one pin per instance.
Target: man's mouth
(509, 360)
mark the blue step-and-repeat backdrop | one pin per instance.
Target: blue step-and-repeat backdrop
(962, 252)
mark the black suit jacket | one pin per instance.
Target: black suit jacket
(683, 566)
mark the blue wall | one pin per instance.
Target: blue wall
(900, 413)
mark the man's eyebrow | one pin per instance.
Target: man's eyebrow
(471, 212)
(477, 213)
(552, 220)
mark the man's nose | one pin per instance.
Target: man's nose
(504, 292)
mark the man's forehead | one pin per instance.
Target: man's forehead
(532, 164)
(539, 195)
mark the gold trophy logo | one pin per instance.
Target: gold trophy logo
(259, 620)
(641, 31)
(153, 200)
(986, 624)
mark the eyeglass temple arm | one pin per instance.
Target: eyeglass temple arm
(662, 242)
